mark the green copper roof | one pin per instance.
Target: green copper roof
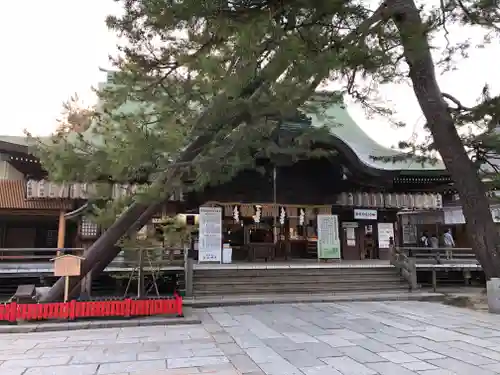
(343, 127)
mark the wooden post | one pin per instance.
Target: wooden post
(434, 280)
(413, 273)
(140, 274)
(66, 288)
(188, 276)
(61, 232)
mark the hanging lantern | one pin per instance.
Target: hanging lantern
(350, 199)
(88, 229)
(439, 201)
(258, 213)
(341, 199)
(411, 198)
(236, 213)
(358, 199)
(365, 200)
(302, 216)
(30, 189)
(41, 189)
(282, 215)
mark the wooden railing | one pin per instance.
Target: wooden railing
(435, 260)
(33, 255)
(140, 264)
(128, 258)
(406, 266)
(441, 255)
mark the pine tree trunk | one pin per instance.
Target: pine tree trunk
(483, 234)
(103, 251)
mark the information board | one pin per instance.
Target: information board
(210, 236)
(385, 233)
(328, 237)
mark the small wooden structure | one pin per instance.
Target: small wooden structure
(67, 265)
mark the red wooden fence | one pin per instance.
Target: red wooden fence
(91, 309)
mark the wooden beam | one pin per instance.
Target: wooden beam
(61, 231)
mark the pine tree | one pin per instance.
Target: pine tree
(207, 74)
(205, 85)
(445, 115)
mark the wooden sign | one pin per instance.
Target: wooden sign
(67, 265)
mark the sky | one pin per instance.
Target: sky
(53, 49)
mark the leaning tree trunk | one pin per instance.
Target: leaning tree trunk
(481, 228)
(103, 251)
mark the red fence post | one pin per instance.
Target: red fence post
(128, 307)
(178, 303)
(72, 310)
(4, 312)
(13, 312)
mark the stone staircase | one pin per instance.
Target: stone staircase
(276, 281)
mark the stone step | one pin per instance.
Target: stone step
(292, 279)
(258, 299)
(292, 272)
(279, 289)
(243, 281)
(310, 285)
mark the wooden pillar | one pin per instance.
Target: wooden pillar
(61, 231)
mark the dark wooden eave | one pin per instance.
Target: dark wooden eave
(8, 147)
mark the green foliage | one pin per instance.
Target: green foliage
(245, 63)
(175, 233)
(227, 70)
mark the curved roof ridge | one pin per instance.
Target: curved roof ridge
(345, 129)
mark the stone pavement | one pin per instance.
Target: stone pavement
(351, 338)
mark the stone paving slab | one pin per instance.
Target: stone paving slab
(343, 338)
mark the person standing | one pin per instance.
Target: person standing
(448, 239)
(434, 241)
(424, 240)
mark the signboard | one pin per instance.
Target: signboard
(328, 237)
(385, 232)
(210, 238)
(455, 215)
(360, 214)
(67, 265)
(350, 224)
(409, 234)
